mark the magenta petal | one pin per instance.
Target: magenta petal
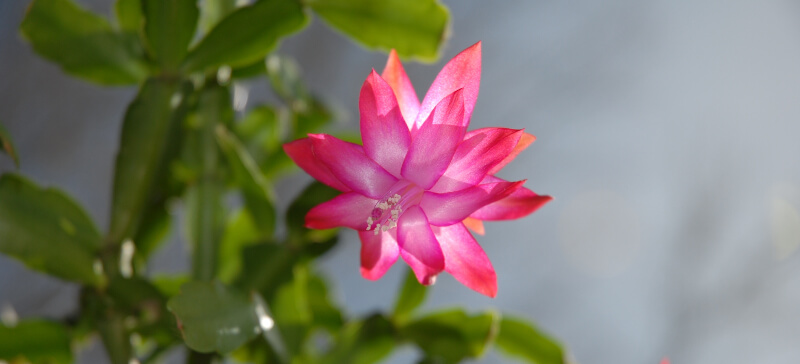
(434, 145)
(385, 134)
(480, 151)
(418, 245)
(351, 166)
(520, 203)
(524, 142)
(395, 75)
(378, 253)
(346, 210)
(449, 208)
(466, 260)
(302, 153)
(463, 71)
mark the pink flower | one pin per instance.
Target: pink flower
(420, 177)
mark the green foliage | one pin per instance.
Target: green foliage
(213, 317)
(523, 340)
(148, 130)
(169, 27)
(246, 35)
(313, 195)
(411, 296)
(129, 15)
(6, 145)
(413, 28)
(47, 231)
(82, 43)
(452, 336)
(35, 341)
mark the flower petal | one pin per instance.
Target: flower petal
(480, 151)
(418, 245)
(466, 260)
(433, 146)
(385, 134)
(395, 75)
(346, 210)
(463, 71)
(302, 153)
(475, 225)
(449, 208)
(524, 142)
(520, 203)
(378, 253)
(348, 163)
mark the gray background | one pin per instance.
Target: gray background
(667, 132)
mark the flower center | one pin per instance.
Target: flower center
(387, 211)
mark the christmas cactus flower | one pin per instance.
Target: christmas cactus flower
(420, 178)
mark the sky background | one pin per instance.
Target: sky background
(667, 133)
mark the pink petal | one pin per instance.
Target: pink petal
(463, 71)
(302, 153)
(396, 76)
(346, 210)
(466, 260)
(434, 145)
(418, 245)
(378, 253)
(385, 134)
(524, 142)
(475, 225)
(519, 204)
(449, 208)
(480, 151)
(348, 163)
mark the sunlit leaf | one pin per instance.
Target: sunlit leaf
(520, 339)
(47, 230)
(169, 27)
(240, 231)
(6, 145)
(150, 122)
(285, 77)
(246, 35)
(413, 28)
(255, 189)
(82, 43)
(213, 317)
(212, 11)
(452, 336)
(35, 341)
(411, 296)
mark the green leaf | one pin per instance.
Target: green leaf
(35, 341)
(413, 28)
(6, 145)
(169, 27)
(363, 342)
(213, 317)
(309, 116)
(313, 195)
(82, 43)
(265, 267)
(256, 190)
(150, 122)
(326, 314)
(292, 311)
(523, 340)
(155, 226)
(411, 296)
(285, 77)
(205, 211)
(453, 336)
(247, 34)
(261, 131)
(129, 15)
(240, 231)
(46, 230)
(212, 11)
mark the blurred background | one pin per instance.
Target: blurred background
(667, 133)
